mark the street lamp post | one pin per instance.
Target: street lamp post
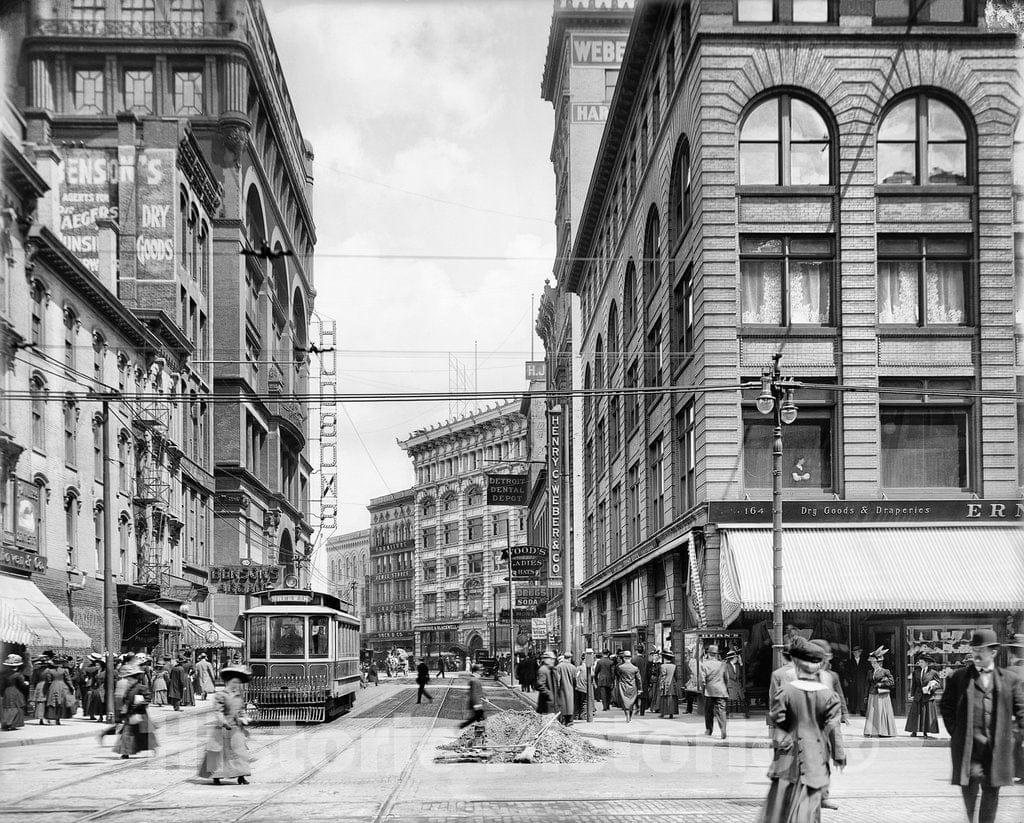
(776, 398)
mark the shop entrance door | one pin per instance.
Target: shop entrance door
(890, 636)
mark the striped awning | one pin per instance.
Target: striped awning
(47, 625)
(863, 569)
(12, 627)
(204, 633)
(158, 614)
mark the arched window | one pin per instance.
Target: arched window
(785, 141)
(99, 344)
(42, 498)
(37, 388)
(38, 313)
(922, 140)
(652, 254)
(587, 399)
(72, 503)
(599, 364)
(280, 270)
(629, 301)
(613, 337)
(255, 231)
(70, 327)
(679, 192)
(97, 531)
(299, 319)
(124, 531)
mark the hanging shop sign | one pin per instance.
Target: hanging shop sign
(528, 562)
(26, 517)
(539, 628)
(244, 579)
(840, 512)
(328, 428)
(555, 493)
(507, 489)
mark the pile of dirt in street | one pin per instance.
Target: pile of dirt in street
(507, 733)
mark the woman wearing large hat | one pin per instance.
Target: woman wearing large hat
(13, 693)
(227, 752)
(60, 691)
(137, 731)
(879, 721)
(922, 715)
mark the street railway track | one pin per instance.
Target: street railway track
(138, 803)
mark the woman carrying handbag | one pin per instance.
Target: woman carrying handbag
(879, 720)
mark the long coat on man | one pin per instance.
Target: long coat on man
(177, 682)
(961, 700)
(545, 683)
(565, 687)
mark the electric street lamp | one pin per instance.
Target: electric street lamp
(777, 397)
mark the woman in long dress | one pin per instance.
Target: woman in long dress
(159, 686)
(38, 686)
(96, 688)
(668, 693)
(137, 733)
(13, 693)
(60, 692)
(227, 753)
(921, 716)
(879, 720)
(805, 715)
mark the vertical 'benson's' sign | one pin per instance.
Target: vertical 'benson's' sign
(328, 428)
(555, 493)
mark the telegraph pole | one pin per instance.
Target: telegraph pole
(109, 599)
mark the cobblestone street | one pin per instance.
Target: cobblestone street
(376, 764)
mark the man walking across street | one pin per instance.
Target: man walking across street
(604, 679)
(983, 709)
(565, 688)
(177, 685)
(422, 678)
(475, 704)
(204, 677)
(716, 691)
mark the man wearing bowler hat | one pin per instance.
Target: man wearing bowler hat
(983, 709)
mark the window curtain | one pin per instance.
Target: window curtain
(809, 293)
(762, 292)
(944, 293)
(923, 449)
(897, 292)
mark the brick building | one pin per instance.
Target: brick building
(461, 596)
(389, 582)
(165, 133)
(832, 181)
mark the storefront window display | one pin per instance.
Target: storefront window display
(948, 646)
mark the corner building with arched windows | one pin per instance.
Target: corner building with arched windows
(459, 578)
(831, 180)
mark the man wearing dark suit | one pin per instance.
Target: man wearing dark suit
(983, 710)
(856, 677)
(422, 678)
(713, 681)
(604, 678)
(545, 683)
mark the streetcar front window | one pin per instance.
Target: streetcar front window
(287, 636)
(319, 637)
(257, 637)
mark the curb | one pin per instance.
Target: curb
(655, 739)
(92, 731)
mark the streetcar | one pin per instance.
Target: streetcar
(303, 649)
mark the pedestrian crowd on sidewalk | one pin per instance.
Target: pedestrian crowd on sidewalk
(981, 705)
(55, 687)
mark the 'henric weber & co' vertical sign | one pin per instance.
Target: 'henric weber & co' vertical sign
(555, 493)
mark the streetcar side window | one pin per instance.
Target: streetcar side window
(287, 636)
(257, 637)
(319, 640)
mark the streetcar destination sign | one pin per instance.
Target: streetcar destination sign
(507, 489)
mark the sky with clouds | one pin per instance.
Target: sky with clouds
(431, 142)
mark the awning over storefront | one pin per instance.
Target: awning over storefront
(203, 633)
(46, 624)
(862, 569)
(12, 627)
(166, 618)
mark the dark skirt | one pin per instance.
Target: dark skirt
(136, 737)
(922, 717)
(668, 704)
(13, 712)
(95, 702)
(791, 803)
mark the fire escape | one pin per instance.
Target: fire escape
(152, 492)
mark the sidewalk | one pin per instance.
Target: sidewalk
(688, 729)
(78, 727)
